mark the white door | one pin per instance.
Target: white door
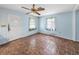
(14, 23)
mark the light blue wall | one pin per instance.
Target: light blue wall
(4, 34)
(3, 30)
(63, 25)
(77, 25)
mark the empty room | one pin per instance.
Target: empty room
(39, 29)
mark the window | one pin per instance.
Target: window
(32, 25)
(50, 24)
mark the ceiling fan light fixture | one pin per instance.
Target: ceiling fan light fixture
(34, 9)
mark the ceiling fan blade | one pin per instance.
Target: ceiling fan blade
(40, 9)
(37, 13)
(26, 8)
(28, 12)
(33, 5)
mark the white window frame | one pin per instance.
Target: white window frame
(30, 29)
(53, 28)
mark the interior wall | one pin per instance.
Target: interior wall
(3, 30)
(63, 24)
(77, 25)
(4, 34)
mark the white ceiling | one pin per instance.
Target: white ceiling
(49, 8)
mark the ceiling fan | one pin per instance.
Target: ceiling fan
(34, 9)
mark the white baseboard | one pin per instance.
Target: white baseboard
(17, 37)
(55, 35)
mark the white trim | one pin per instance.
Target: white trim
(74, 23)
(74, 26)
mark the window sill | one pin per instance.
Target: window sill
(50, 29)
(32, 29)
